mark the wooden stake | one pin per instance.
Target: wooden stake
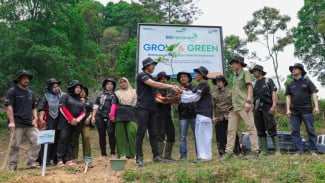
(8, 151)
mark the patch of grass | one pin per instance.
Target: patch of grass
(319, 171)
(284, 168)
(6, 176)
(70, 169)
(148, 176)
(181, 176)
(131, 176)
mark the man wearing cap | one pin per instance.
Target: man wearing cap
(165, 123)
(242, 100)
(204, 109)
(299, 107)
(265, 105)
(186, 114)
(222, 105)
(146, 109)
(22, 118)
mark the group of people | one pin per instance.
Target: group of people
(126, 114)
(70, 114)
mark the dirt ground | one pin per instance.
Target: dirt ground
(100, 171)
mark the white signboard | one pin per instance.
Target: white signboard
(45, 136)
(196, 46)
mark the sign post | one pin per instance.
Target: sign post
(45, 137)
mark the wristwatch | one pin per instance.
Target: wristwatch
(248, 101)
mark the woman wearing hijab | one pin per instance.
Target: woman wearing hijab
(124, 116)
(73, 112)
(49, 116)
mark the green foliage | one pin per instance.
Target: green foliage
(172, 53)
(61, 39)
(3, 122)
(92, 11)
(283, 122)
(127, 16)
(321, 104)
(49, 39)
(266, 28)
(310, 37)
(126, 63)
(281, 97)
(172, 11)
(233, 45)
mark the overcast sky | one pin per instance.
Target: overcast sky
(232, 15)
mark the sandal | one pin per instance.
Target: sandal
(60, 164)
(70, 163)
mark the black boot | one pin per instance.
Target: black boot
(168, 151)
(140, 161)
(158, 159)
(161, 146)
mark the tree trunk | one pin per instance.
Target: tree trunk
(276, 73)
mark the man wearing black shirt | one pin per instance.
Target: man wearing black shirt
(146, 109)
(299, 107)
(204, 110)
(264, 92)
(22, 116)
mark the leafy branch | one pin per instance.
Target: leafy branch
(172, 53)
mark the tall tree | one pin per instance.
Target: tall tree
(48, 39)
(173, 11)
(123, 14)
(269, 28)
(93, 13)
(310, 37)
(112, 41)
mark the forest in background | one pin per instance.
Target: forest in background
(85, 40)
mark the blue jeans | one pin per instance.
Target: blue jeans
(183, 127)
(308, 120)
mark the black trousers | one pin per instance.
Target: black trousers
(221, 128)
(264, 122)
(147, 120)
(51, 124)
(106, 126)
(166, 127)
(67, 141)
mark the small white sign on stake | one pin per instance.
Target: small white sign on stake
(45, 137)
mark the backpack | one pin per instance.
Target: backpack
(267, 82)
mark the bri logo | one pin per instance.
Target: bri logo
(213, 30)
(148, 28)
